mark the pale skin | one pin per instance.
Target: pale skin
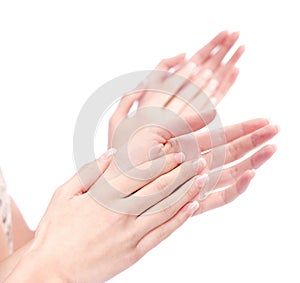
(110, 249)
(240, 139)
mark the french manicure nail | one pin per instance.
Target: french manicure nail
(109, 153)
(207, 74)
(193, 207)
(199, 164)
(179, 157)
(201, 180)
(213, 101)
(213, 84)
(191, 66)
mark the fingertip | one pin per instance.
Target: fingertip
(274, 147)
(201, 181)
(179, 157)
(277, 127)
(235, 34)
(271, 149)
(192, 207)
(242, 48)
(245, 180)
(199, 164)
(108, 154)
(251, 173)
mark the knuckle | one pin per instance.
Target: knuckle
(174, 145)
(162, 234)
(136, 254)
(167, 212)
(191, 192)
(234, 151)
(161, 184)
(225, 198)
(234, 172)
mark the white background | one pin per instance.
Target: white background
(54, 54)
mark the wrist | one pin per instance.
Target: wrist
(35, 267)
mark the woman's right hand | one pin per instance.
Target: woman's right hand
(84, 238)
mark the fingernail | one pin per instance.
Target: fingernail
(193, 207)
(201, 180)
(108, 153)
(190, 67)
(207, 74)
(179, 157)
(213, 84)
(213, 101)
(252, 172)
(199, 164)
(235, 34)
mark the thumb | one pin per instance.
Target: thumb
(81, 182)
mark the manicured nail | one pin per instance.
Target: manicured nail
(207, 74)
(190, 67)
(193, 207)
(277, 128)
(235, 34)
(179, 157)
(213, 84)
(201, 180)
(252, 172)
(213, 101)
(108, 153)
(199, 164)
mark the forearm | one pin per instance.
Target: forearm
(10, 263)
(21, 232)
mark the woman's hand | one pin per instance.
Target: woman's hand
(187, 82)
(226, 184)
(201, 81)
(79, 240)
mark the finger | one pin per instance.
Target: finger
(218, 179)
(121, 113)
(208, 81)
(185, 125)
(154, 81)
(89, 174)
(161, 192)
(239, 147)
(204, 53)
(173, 83)
(215, 60)
(179, 81)
(170, 206)
(208, 140)
(183, 99)
(236, 149)
(169, 63)
(205, 141)
(226, 196)
(168, 182)
(197, 121)
(153, 238)
(225, 72)
(224, 86)
(137, 177)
